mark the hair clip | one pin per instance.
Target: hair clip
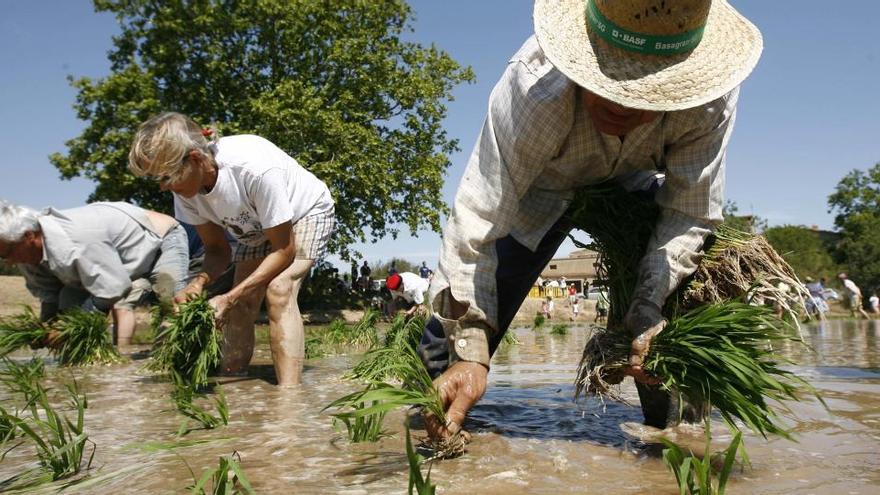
(206, 132)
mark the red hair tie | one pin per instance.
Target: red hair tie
(207, 132)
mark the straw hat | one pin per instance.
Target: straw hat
(649, 54)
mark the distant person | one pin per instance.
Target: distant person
(392, 269)
(354, 276)
(424, 271)
(573, 301)
(539, 283)
(854, 295)
(409, 287)
(817, 304)
(366, 271)
(547, 307)
(101, 256)
(602, 305)
(874, 303)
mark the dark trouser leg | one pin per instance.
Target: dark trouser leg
(518, 268)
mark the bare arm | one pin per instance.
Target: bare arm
(218, 255)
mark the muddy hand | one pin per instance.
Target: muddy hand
(644, 321)
(460, 387)
(221, 305)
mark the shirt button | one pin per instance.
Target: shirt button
(462, 343)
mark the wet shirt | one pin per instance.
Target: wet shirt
(537, 146)
(100, 247)
(259, 186)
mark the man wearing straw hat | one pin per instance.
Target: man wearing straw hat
(606, 90)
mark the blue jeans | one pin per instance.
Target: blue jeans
(518, 268)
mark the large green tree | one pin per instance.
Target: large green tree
(331, 83)
(804, 250)
(856, 202)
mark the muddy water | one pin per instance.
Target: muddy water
(529, 435)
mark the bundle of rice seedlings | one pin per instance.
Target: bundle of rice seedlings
(714, 349)
(720, 354)
(21, 330)
(559, 329)
(539, 321)
(84, 339)
(227, 478)
(362, 412)
(184, 398)
(315, 348)
(190, 345)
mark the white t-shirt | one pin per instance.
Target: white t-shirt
(414, 288)
(259, 186)
(851, 287)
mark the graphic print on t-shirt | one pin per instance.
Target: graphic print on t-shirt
(246, 229)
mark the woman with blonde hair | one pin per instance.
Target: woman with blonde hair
(281, 215)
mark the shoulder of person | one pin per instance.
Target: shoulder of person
(705, 117)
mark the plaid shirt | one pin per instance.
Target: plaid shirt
(538, 145)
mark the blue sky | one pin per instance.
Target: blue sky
(807, 115)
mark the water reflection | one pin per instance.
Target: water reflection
(530, 436)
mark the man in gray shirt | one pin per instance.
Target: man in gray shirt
(102, 256)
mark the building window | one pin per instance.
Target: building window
(552, 267)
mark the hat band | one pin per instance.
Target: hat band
(651, 44)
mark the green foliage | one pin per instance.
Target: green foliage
(857, 193)
(743, 223)
(84, 339)
(697, 476)
(331, 83)
(856, 202)
(804, 250)
(559, 329)
(8, 268)
(190, 346)
(20, 330)
(227, 479)
(184, 398)
(380, 268)
(539, 321)
(859, 248)
(421, 484)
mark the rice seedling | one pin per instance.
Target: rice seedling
(539, 321)
(227, 478)
(697, 476)
(508, 340)
(389, 363)
(23, 378)
(421, 484)
(21, 330)
(314, 348)
(84, 339)
(184, 398)
(60, 443)
(336, 333)
(559, 329)
(364, 333)
(190, 345)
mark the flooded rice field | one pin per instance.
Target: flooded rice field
(529, 437)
